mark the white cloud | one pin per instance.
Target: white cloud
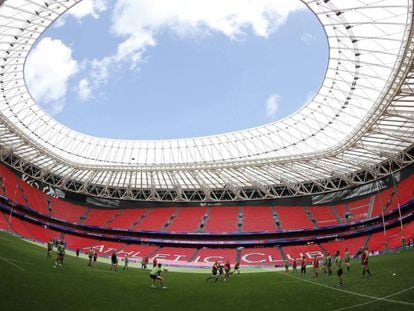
(84, 89)
(307, 38)
(272, 105)
(48, 69)
(83, 9)
(139, 21)
(86, 8)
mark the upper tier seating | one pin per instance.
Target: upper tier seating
(405, 190)
(359, 209)
(9, 181)
(99, 217)
(188, 219)
(258, 218)
(293, 217)
(126, 218)
(222, 219)
(156, 219)
(341, 211)
(323, 215)
(383, 201)
(67, 211)
(35, 199)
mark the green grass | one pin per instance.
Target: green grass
(29, 282)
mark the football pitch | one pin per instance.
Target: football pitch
(29, 282)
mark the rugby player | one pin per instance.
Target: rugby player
(214, 272)
(49, 248)
(155, 275)
(315, 266)
(339, 267)
(347, 259)
(114, 261)
(364, 262)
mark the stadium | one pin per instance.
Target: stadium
(337, 174)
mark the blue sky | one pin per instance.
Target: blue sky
(184, 79)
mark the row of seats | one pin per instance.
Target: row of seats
(213, 219)
(265, 256)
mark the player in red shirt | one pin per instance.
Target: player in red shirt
(316, 266)
(154, 262)
(237, 267)
(227, 268)
(364, 262)
(214, 272)
(294, 264)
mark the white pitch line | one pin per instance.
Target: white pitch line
(13, 264)
(354, 293)
(20, 261)
(373, 301)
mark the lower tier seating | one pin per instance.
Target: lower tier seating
(263, 256)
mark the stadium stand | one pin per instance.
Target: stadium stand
(359, 209)
(174, 254)
(36, 199)
(383, 201)
(323, 216)
(73, 242)
(222, 219)
(139, 251)
(341, 211)
(210, 255)
(307, 250)
(377, 240)
(4, 223)
(258, 218)
(98, 217)
(9, 181)
(42, 234)
(293, 217)
(266, 256)
(187, 219)
(67, 211)
(126, 218)
(156, 219)
(18, 226)
(353, 245)
(405, 190)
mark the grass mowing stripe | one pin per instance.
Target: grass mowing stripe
(354, 293)
(13, 264)
(373, 301)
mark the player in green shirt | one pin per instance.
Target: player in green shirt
(347, 259)
(126, 260)
(60, 254)
(339, 267)
(329, 263)
(155, 275)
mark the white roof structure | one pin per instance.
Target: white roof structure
(357, 128)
